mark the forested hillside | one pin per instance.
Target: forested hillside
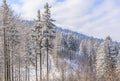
(40, 51)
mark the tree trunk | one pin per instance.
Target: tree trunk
(19, 69)
(36, 69)
(47, 63)
(40, 65)
(4, 31)
(12, 68)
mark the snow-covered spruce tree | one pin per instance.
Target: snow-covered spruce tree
(4, 10)
(38, 36)
(48, 32)
(106, 61)
(73, 45)
(118, 64)
(84, 58)
(91, 58)
(116, 52)
(10, 36)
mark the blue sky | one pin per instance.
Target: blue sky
(98, 18)
(60, 0)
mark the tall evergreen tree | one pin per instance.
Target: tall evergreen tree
(6, 23)
(48, 34)
(106, 61)
(11, 38)
(38, 35)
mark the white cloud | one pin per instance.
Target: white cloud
(98, 20)
(28, 8)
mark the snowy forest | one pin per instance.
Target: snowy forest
(38, 50)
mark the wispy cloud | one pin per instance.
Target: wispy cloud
(98, 18)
